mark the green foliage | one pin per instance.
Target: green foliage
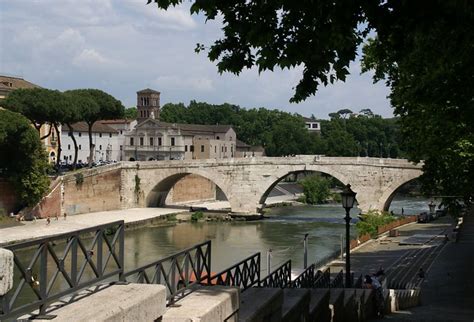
(373, 219)
(130, 113)
(94, 105)
(137, 184)
(283, 133)
(315, 189)
(432, 89)
(25, 163)
(79, 178)
(196, 216)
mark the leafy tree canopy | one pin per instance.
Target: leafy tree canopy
(26, 164)
(423, 49)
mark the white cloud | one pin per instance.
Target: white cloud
(89, 57)
(122, 46)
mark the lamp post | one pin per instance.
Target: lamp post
(432, 206)
(348, 200)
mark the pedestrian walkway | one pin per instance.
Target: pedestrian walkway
(447, 293)
(391, 253)
(30, 230)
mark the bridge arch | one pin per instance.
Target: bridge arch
(391, 194)
(270, 187)
(159, 186)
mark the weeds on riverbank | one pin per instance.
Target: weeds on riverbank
(198, 215)
(369, 222)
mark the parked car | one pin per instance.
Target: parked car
(424, 217)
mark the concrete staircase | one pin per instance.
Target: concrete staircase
(298, 305)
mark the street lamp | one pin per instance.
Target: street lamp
(348, 200)
(432, 207)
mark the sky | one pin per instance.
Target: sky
(122, 46)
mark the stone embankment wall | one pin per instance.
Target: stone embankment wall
(383, 229)
(98, 191)
(50, 205)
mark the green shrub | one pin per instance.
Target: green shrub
(315, 189)
(79, 178)
(197, 216)
(371, 221)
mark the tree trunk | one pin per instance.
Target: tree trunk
(91, 145)
(71, 134)
(58, 134)
(38, 128)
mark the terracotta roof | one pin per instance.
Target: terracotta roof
(119, 121)
(147, 91)
(98, 127)
(192, 129)
(12, 83)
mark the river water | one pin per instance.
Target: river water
(282, 232)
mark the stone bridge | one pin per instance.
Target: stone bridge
(247, 182)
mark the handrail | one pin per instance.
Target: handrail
(324, 279)
(338, 281)
(280, 277)
(177, 272)
(306, 279)
(62, 265)
(243, 274)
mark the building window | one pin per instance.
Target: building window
(159, 141)
(222, 148)
(191, 148)
(151, 142)
(80, 134)
(185, 148)
(121, 148)
(215, 149)
(80, 146)
(172, 142)
(225, 149)
(218, 138)
(315, 125)
(230, 138)
(202, 148)
(100, 135)
(110, 135)
(141, 141)
(131, 141)
(70, 157)
(100, 147)
(232, 149)
(69, 147)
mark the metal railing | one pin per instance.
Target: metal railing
(280, 277)
(324, 279)
(338, 281)
(244, 274)
(177, 272)
(305, 279)
(61, 265)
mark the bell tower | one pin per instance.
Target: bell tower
(148, 104)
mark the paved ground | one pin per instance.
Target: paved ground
(30, 230)
(448, 289)
(387, 252)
